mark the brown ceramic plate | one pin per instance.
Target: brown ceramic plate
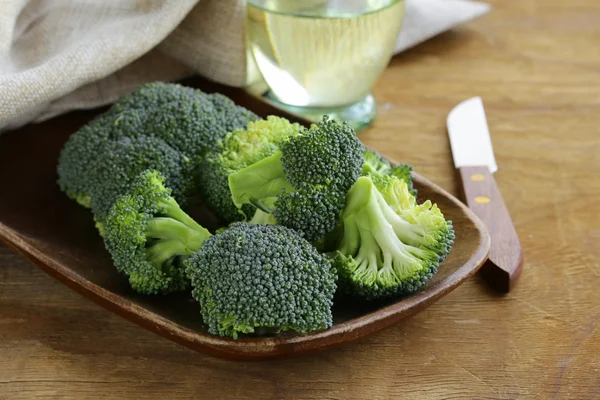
(38, 221)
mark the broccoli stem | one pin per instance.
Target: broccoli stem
(367, 261)
(407, 232)
(351, 238)
(396, 195)
(265, 178)
(173, 210)
(164, 250)
(396, 255)
(179, 234)
(170, 229)
(379, 169)
(262, 218)
(358, 197)
(369, 230)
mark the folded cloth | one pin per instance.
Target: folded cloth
(58, 56)
(425, 19)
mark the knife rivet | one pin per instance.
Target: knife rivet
(482, 199)
(477, 177)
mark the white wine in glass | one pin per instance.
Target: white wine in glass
(323, 57)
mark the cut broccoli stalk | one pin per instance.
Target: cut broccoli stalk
(263, 179)
(382, 252)
(263, 218)
(422, 225)
(169, 229)
(375, 233)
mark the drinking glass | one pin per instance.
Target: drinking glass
(316, 57)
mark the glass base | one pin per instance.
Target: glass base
(358, 116)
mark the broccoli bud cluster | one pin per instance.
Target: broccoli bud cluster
(307, 213)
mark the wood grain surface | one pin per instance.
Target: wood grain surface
(536, 65)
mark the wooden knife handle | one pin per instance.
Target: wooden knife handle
(505, 262)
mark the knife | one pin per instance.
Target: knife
(476, 164)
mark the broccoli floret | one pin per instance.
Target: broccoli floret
(99, 226)
(314, 211)
(304, 183)
(154, 95)
(190, 127)
(83, 148)
(261, 279)
(188, 119)
(377, 166)
(149, 236)
(78, 155)
(120, 161)
(389, 245)
(404, 172)
(231, 116)
(127, 123)
(239, 149)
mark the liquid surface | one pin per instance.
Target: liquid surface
(322, 53)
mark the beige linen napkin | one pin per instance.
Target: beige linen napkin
(425, 19)
(61, 55)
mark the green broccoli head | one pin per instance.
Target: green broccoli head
(154, 95)
(120, 161)
(386, 249)
(187, 119)
(376, 166)
(230, 115)
(190, 127)
(78, 156)
(240, 148)
(313, 210)
(328, 154)
(83, 148)
(149, 236)
(127, 123)
(261, 278)
(304, 183)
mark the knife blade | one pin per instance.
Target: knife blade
(473, 156)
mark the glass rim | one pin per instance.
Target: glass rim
(341, 16)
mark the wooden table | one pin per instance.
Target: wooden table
(537, 66)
